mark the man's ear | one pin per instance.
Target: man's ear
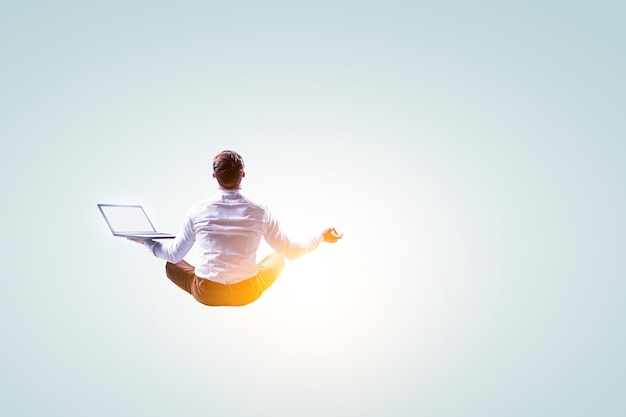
(214, 175)
(243, 174)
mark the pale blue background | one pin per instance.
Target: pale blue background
(473, 153)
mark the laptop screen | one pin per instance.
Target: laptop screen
(123, 219)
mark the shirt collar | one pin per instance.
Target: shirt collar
(229, 193)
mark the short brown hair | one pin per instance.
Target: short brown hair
(228, 168)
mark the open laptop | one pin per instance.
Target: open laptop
(130, 221)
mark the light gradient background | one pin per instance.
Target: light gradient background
(473, 154)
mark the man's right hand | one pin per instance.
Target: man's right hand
(331, 235)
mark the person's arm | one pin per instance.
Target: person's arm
(175, 249)
(281, 243)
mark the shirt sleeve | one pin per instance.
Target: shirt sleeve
(174, 250)
(281, 243)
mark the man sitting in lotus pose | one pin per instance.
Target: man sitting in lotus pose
(228, 228)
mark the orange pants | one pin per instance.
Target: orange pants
(213, 293)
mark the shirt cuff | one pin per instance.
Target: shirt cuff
(318, 240)
(150, 244)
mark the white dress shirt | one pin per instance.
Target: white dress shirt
(228, 228)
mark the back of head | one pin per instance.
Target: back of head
(228, 169)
